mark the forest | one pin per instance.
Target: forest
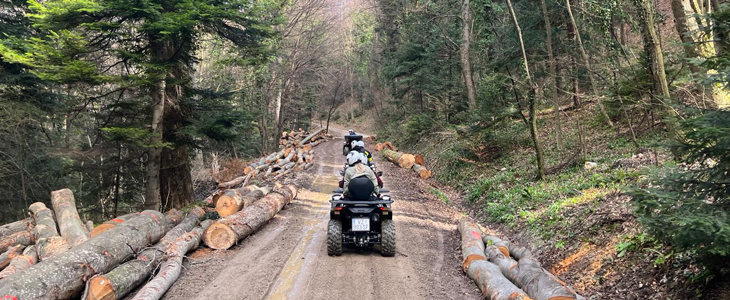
(579, 124)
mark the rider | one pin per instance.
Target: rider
(358, 167)
(359, 146)
(349, 165)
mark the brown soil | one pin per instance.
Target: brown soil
(288, 257)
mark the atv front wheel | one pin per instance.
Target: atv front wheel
(387, 242)
(334, 238)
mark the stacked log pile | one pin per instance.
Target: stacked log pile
(503, 270)
(296, 154)
(56, 257)
(416, 163)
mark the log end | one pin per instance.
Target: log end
(226, 206)
(406, 161)
(219, 236)
(101, 288)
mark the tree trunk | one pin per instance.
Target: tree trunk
(403, 160)
(587, 64)
(228, 231)
(20, 263)
(69, 222)
(464, 53)
(532, 91)
(696, 42)
(127, 276)
(152, 193)
(553, 91)
(176, 179)
(170, 270)
(17, 226)
(111, 224)
(720, 32)
(233, 201)
(98, 255)
(487, 276)
(24, 238)
(48, 242)
(529, 275)
(9, 254)
(655, 58)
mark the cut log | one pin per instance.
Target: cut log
(421, 171)
(63, 276)
(234, 200)
(487, 276)
(127, 276)
(420, 160)
(379, 147)
(389, 146)
(503, 246)
(48, 242)
(17, 226)
(174, 216)
(529, 275)
(309, 137)
(20, 263)
(170, 270)
(228, 231)
(9, 254)
(403, 160)
(89, 226)
(111, 224)
(231, 184)
(67, 217)
(24, 238)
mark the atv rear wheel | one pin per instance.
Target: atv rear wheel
(387, 241)
(334, 238)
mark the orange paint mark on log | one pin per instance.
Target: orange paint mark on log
(476, 235)
(471, 258)
(117, 220)
(504, 250)
(561, 298)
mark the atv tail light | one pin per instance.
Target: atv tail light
(338, 208)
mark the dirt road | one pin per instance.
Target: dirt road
(287, 259)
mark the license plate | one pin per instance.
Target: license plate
(362, 224)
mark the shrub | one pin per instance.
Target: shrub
(688, 205)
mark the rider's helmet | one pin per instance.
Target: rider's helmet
(351, 132)
(354, 157)
(353, 144)
(360, 143)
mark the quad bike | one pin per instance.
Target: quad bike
(361, 219)
(347, 145)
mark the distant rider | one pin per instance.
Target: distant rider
(358, 167)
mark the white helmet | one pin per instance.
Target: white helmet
(361, 143)
(353, 144)
(353, 157)
(363, 159)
